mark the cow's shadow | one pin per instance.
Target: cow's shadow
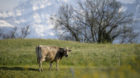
(18, 68)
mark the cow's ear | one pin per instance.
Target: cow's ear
(69, 50)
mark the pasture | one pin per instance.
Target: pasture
(18, 60)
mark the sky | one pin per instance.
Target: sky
(36, 13)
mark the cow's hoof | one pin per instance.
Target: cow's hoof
(40, 70)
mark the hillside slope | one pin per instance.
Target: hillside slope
(18, 59)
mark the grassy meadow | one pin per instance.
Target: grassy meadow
(18, 60)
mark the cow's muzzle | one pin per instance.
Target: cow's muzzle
(66, 55)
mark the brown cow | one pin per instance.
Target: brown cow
(50, 54)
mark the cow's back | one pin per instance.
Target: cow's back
(48, 53)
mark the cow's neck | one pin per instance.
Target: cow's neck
(59, 56)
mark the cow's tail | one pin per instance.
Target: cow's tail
(38, 53)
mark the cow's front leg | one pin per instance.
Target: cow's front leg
(57, 65)
(50, 65)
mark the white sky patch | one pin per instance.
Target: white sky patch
(5, 24)
(49, 3)
(3, 14)
(17, 22)
(47, 16)
(42, 6)
(122, 9)
(65, 1)
(39, 30)
(6, 14)
(42, 31)
(35, 7)
(52, 34)
(20, 21)
(127, 1)
(60, 31)
(10, 13)
(45, 2)
(50, 27)
(18, 12)
(37, 18)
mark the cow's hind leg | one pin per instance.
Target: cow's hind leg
(40, 66)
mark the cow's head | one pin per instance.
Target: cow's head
(65, 51)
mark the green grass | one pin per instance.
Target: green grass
(18, 60)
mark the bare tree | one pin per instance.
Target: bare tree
(64, 23)
(15, 33)
(94, 21)
(25, 31)
(128, 35)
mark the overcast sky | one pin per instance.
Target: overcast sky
(37, 12)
